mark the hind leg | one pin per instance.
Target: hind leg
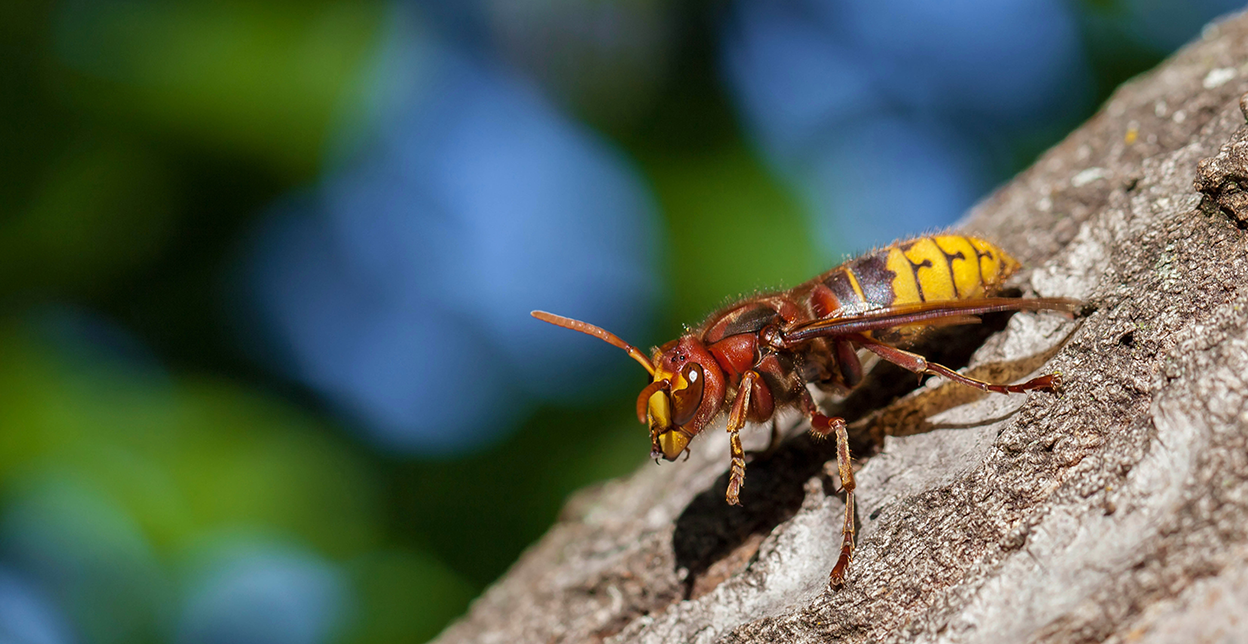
(918, 364)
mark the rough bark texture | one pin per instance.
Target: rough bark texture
(1117, 510)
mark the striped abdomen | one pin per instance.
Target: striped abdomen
(939, 268)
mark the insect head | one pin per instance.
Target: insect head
(686, 389)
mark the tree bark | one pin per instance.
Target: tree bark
(1116, 510)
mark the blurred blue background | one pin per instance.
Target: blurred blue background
(266, 367)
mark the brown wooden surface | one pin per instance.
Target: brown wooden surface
(1116, 511)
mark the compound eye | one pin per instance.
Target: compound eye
(686, 401)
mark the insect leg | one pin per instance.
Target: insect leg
(736, 420)
(918, 364)
(822, 426)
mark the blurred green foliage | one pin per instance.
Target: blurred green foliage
(133, 460)
(720, 247)
(254, 80)
(141, 138)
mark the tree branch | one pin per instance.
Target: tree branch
(1116, 510)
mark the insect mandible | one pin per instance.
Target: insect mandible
(756, 357)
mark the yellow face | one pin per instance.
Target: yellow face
(670, 408)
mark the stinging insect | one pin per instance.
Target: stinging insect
(756, 357)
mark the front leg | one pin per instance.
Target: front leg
(736, 420)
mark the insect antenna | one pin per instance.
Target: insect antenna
(597, 332)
